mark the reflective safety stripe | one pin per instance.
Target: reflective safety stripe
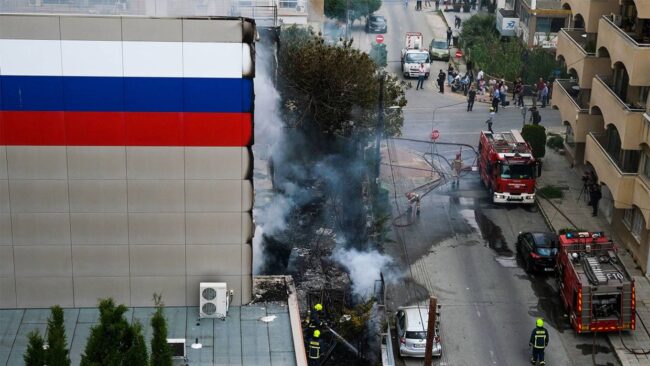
(540, 339)
(314, 350)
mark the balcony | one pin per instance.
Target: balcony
(590, 11)
(642, 8)
(619, 182)
(578, 49)
(627, 118)
(629, 48)
(573, 104)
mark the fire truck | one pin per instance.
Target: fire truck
(596, 289)
(507, 167)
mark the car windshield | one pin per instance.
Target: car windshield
(439, 44)
(547, 252)
(545, 241)
(417, 57)
(416, 335)
(377, 19)
(516, 171)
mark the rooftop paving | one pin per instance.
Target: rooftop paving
(241, 339)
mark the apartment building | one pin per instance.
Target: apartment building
(605, 108)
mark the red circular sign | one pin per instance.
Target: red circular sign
(459, 54)
(435, 134)
(379, 39)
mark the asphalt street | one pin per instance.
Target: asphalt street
(461, 248)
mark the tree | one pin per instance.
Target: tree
(535, 135)
(57, 351)
(337, 9)
(327, 86)
(161, 353)
(35, 354)
(114, 342)
(378, 54)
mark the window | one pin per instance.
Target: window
(634, 221)
(549, 25)
(644, 169)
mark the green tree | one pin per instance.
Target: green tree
(327, 86)
(57, 351)
(337, 9)
(35, 354)
(136, 348)
(161, 353)
(535, 135)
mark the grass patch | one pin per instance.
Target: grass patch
(550, 191)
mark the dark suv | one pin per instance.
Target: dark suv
(376, 24)
(537, 251)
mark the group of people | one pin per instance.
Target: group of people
(313, 341)
(427, 3)
(591, 190)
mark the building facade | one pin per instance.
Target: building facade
(604, 106)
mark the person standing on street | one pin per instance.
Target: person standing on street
(523, 115)
(457, 22)
(456, 168)
(418, 5)
(421, 73)
(544, 95)
(490, 119)
(503, 92)
(471, 96)
(437, 5)
(449, 34)
(538, 341)
(427, 3)
(535, 117)
(595, 195)
(441, 81)
(518, 93)
(495, 100)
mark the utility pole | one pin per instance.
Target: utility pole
(347, 21)
(380, 127)
(431, 329)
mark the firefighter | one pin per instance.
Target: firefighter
(539, 341)
(314, 320)
(414, 200)
(314, 349)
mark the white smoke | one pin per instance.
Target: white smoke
(364, 268)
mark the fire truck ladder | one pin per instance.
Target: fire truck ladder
(594, 272)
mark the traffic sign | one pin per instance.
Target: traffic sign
(459, 54)
(379, 38)
(435, 134)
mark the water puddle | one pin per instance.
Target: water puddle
(507, 262)
(492, 235)
(589, 348)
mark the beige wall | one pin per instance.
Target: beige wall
(79, 223)
(591, 10)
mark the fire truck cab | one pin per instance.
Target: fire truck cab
(507, 167)
(596, 289)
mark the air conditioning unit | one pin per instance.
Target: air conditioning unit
(177, 346)
(214, 300)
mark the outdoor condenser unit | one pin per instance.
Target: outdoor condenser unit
(214, 300)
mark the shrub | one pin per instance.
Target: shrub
(555, 141)
(535, 135)
(550, 191)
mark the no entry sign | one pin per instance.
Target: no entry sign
(379, 39)
(435, 134)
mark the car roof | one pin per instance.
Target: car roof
(377, 16)
(417, 318)
(438, 40)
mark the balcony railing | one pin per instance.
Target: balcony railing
(580, 97)
(625, 161)
(583, 40)
(607, 80)
(638, 40)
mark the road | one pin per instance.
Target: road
(461, 247)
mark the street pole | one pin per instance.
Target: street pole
(380, 127)
(431, 329)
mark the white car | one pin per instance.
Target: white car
(411, 323)
(411, 63)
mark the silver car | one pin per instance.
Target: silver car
(439, 50)
(412, 331)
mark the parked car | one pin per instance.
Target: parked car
(376, 24)
(537, 250)
(411, 322)
(438, 49)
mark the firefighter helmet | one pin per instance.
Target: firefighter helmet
(318, 307)
(491, 109)
(540, 322)
(316, 333)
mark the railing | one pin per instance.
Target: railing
(606, 80)
(628, 170)
(580, 98)
(264, 15)
(585, 41)
(610, 19)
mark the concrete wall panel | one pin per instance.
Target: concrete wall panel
(155, 162)
(4, 197)
(3, 161)
(6, 261)
(8, 291)
(38, 196)
(100, 260)
(213, 195)
(37, 162)
(156, 196)
(214, 228)
(99, 228)
(97, 196)
(88, 290)
(158, 260)
(97, 162)
(43, 292)
(215, 162)
(215, 260)
(41, 261)
(41, 228)
(5, 229)
(172, 289)
(156, 228)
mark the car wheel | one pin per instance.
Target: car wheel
(406, 75)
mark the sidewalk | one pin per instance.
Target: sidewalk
(557, 171)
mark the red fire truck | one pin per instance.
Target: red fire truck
(596, 288)
(507, 167)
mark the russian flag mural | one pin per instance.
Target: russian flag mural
(125, 160)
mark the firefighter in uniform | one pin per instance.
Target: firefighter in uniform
(314, 318)
(539, 341)
(314, 349)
